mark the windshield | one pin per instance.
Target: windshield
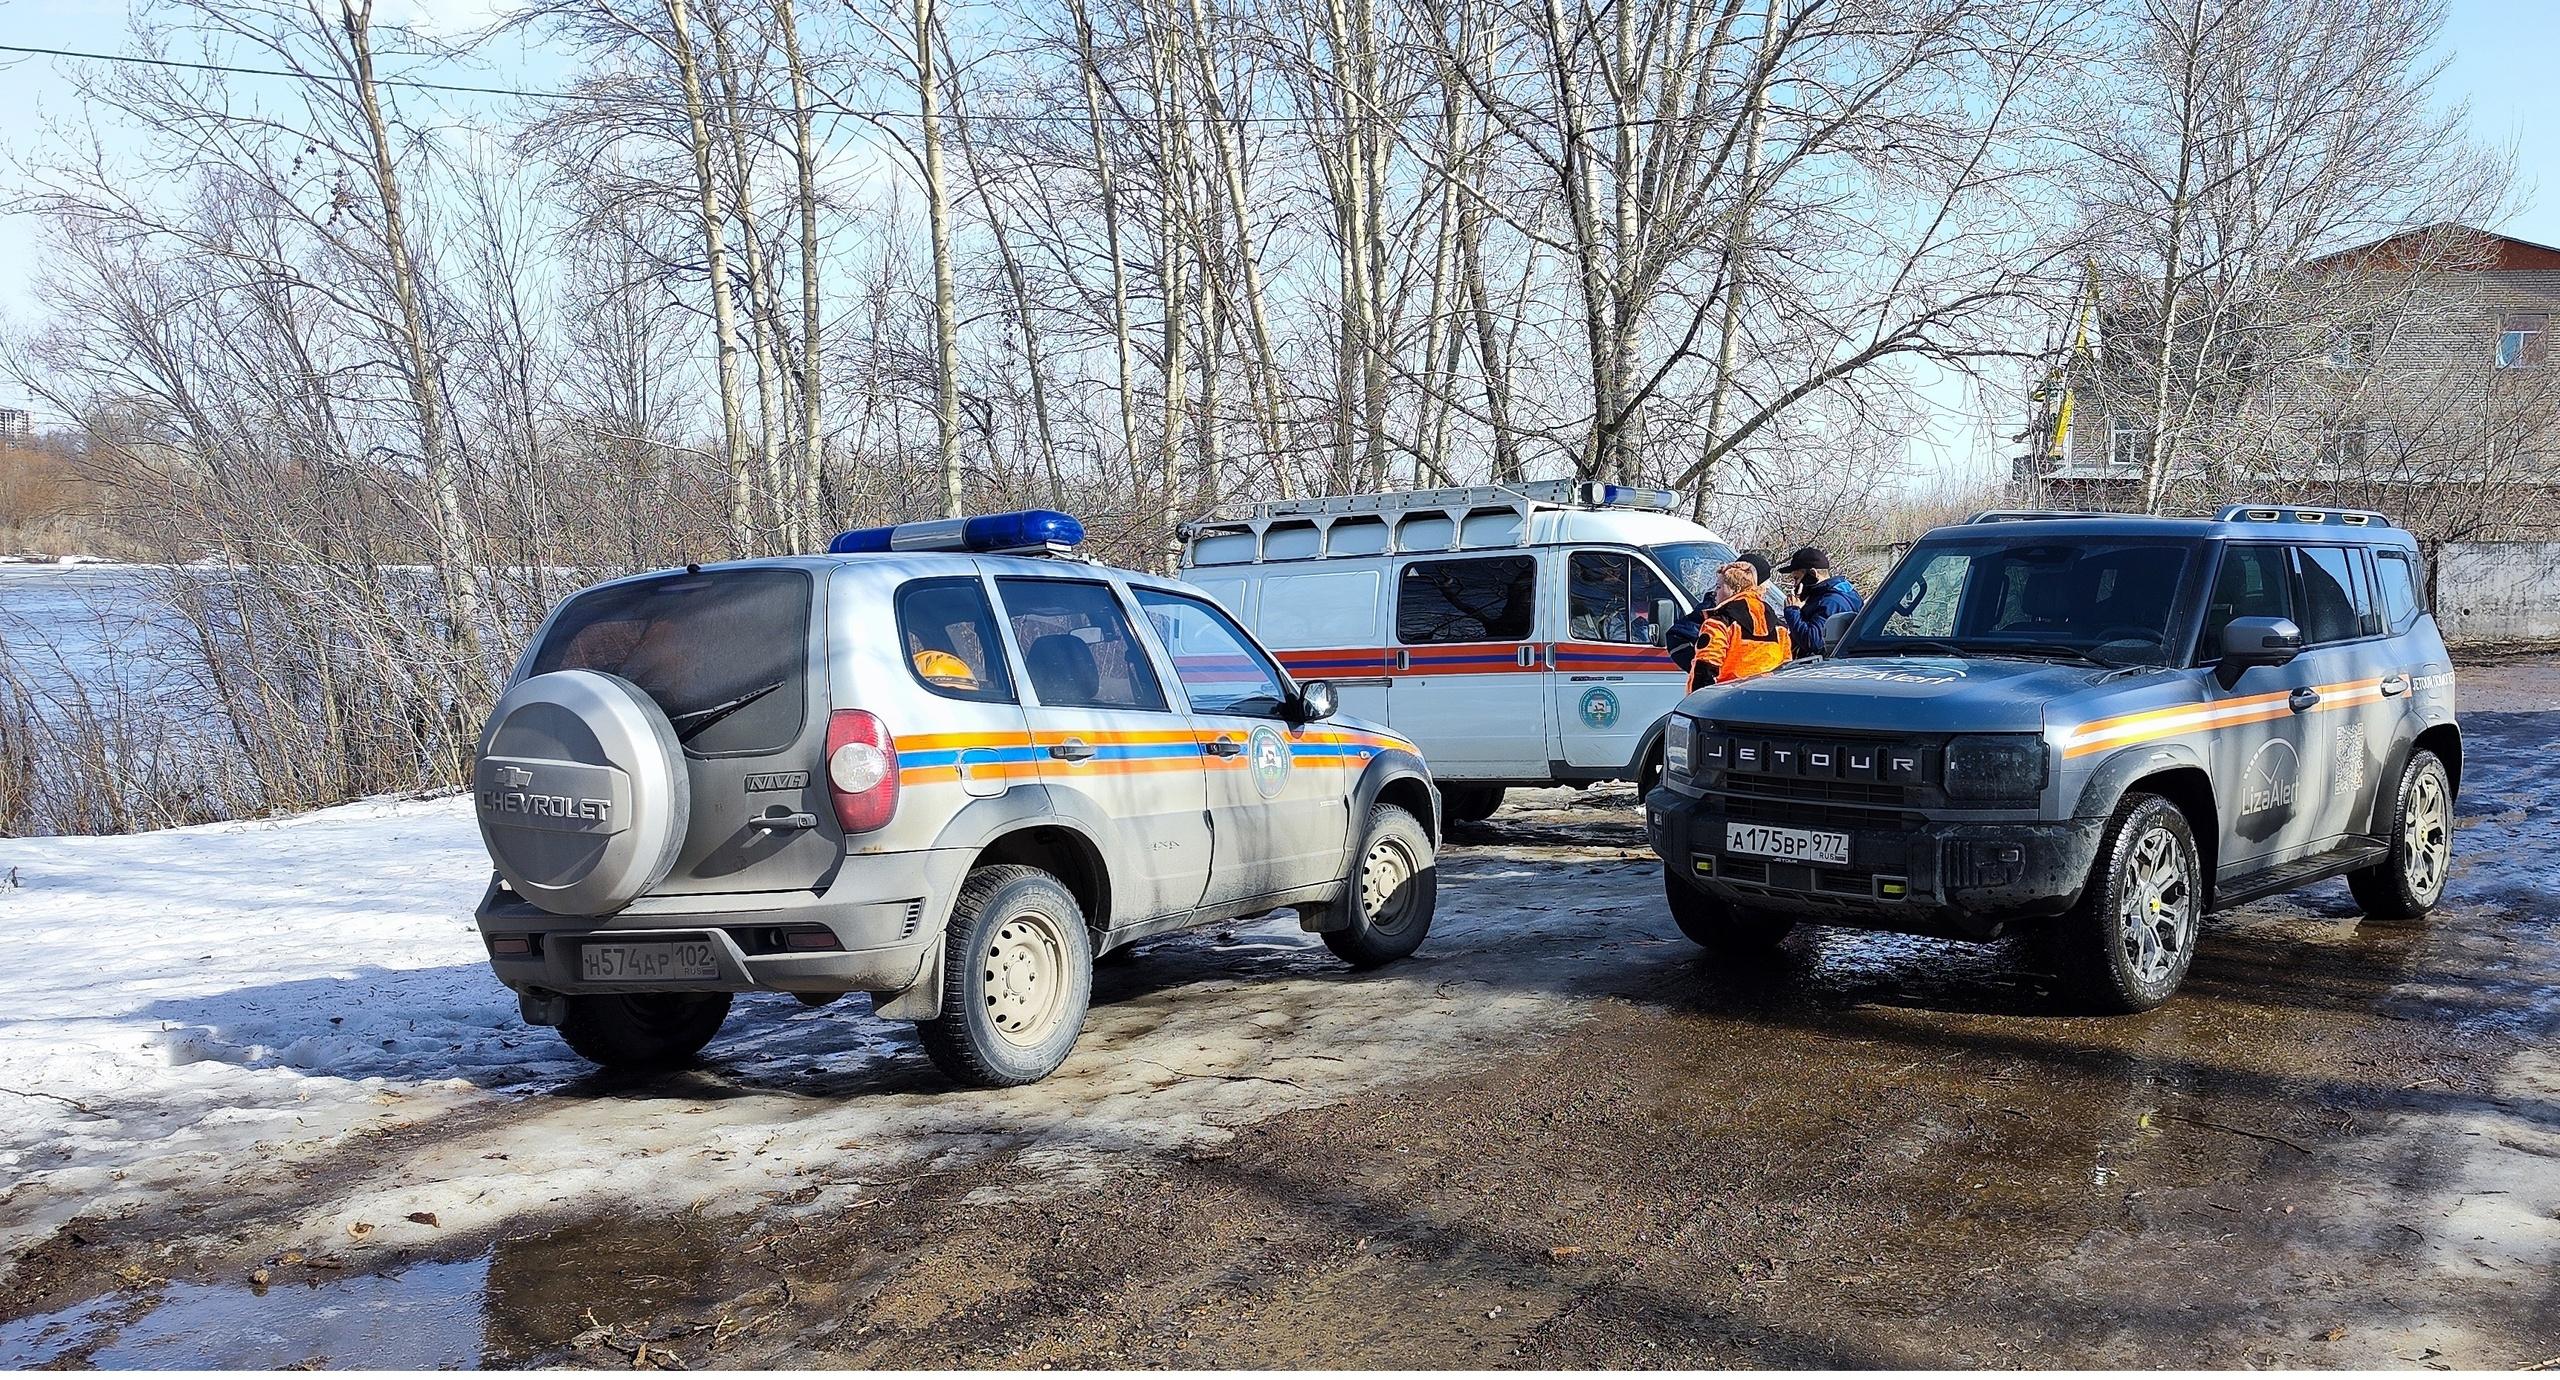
(2109, 601)
(1693, 565)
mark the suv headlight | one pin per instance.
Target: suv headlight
(2009, 766)
(1676, 736)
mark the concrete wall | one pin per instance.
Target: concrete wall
(2498, 591)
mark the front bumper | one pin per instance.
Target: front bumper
(884, 914)
(1967, 880)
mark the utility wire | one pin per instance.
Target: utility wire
(828, 108)
(607, 98)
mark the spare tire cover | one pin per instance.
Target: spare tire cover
(582, 791)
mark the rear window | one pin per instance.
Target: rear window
(724, 653)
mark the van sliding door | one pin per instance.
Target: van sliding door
(1468, 675)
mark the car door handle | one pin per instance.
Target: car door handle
(2302, 699)
(1072, 750)
(1225, 747)
(2395, 685)
(779, 822)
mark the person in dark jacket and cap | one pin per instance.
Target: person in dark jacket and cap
(1818, 595)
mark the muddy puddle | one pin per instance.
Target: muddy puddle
(1559, 1137)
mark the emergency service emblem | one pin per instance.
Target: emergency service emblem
(1599, 707)
(1269, 756)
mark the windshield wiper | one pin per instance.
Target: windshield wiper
(1902, 645)
(2034, 649)
(701, 719)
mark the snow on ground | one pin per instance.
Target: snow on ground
(203, 1011)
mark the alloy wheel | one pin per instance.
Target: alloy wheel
(2427, 837)
(2158, 913)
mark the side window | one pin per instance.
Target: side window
(947, 632)
(2332, 595)
(1078, 650)
(1488, 599)
(1221, 671)
(1332, 608)
(2398, 577)
(2254, 583)
(1922, 602)
(1610, 597)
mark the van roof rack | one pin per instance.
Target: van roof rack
(2295, 512)
(2033, 515)
(1545, 493)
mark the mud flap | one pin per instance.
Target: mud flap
(541, 1007)
(1330, 918)
(922, 1000)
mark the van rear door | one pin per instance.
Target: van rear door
(732, 657)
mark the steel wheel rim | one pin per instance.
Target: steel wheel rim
(1025, 970)
(2157, 917)
(1386, 894)
(2427, 836)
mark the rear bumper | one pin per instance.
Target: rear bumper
(884, 916)
(1969, 881)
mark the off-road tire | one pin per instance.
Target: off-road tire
(1394, 888)
(1470, 804)
(2410, 880)
(2148, 874)
(1012, 930)
(1720, 927)
(643, 1030)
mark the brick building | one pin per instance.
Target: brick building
(2420, 380)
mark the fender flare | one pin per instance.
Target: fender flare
(1648, 745)
(2404, 745)
(1029, 805)
(2104, 787)
(1389, 766)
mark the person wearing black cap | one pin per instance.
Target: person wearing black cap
(1818, 595)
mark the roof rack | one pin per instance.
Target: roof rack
(2289, 512)
(2032, 515)
(1545, 493)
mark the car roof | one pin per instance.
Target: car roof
(2084, 527)
(917, 563)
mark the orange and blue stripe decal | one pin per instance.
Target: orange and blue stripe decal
(1478, 658)
(926, 758)
(2209, 716)
(1614, 656)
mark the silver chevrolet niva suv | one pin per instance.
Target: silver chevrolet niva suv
(2088, 729)
(946, 764)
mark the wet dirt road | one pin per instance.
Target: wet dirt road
(1561, 1138)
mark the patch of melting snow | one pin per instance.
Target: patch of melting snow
(427, 1317)
(222, 1008)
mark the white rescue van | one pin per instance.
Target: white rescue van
(1512, 631)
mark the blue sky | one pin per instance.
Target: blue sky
(2501, 58)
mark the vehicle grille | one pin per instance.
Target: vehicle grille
(1814, 788)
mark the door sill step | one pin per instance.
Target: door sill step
(2354, 852)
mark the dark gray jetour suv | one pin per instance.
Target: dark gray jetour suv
(2097, 727)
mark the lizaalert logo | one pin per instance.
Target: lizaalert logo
(1599, 706)
(1270, 760)
(2268, 787)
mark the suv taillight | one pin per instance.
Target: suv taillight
(862, 770)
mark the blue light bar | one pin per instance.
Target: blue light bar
(1039, 529)
(1622, 496)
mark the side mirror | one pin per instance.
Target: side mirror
(1315, 701)
(2258, 641)
(1835, 628)
(1665, 613)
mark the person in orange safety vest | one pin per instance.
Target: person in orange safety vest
(1737, 638)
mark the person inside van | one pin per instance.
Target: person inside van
(1736, 639)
